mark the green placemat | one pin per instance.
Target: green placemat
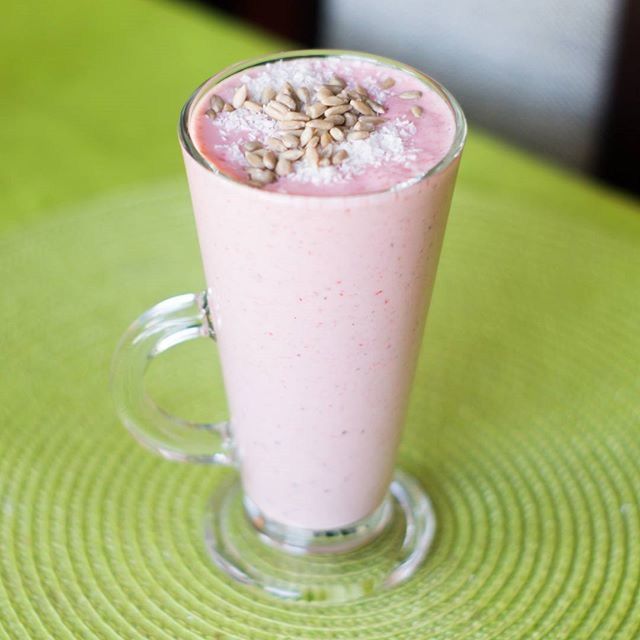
(524, 428)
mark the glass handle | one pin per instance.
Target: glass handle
(167, 324)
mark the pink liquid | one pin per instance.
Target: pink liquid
(320, 291)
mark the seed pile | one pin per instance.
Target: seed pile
(311, 123)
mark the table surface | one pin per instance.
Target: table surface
(524, 424)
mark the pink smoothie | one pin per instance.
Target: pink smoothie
(320, 283)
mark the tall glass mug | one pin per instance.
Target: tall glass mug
(317, 305)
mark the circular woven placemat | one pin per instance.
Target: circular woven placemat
(523, 427)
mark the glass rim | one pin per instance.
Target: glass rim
(454, 151)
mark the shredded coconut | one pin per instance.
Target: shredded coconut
(258, 126)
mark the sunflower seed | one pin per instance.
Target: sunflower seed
(287, 88)
(260, 152)
(239, 96)
(254, 159)
(303, 94)
(211, 114)
(268, 95)
(325, 139)
(363, 126)
(262, 175)
(286, 100)
(316, 110)
(269, 160)
(323, 125)
(273, 112)
(376, 106)
(278, 106)
(292, 154)
(311, 156)
(372, 119)
(252, 145)
(357, 135)
(332, 101)
(350, 119)
(276, 144)
(324, 162)
(324, 92)
(362, 107)
(252, 106)
(337, 80)
(314, 142)
(287, 125)
(255, 183)
(217, 103)
(337, 119)
(290, 125)
(417, 111)
(337, 110)
(283, 167)
(290, 141)
(337, 134)
(295, 132)
(387, 83)
(228, 107)
(307, 134)
(276, 110)
(410, 95)
(339, 156)
(362, 91)
(295, 115)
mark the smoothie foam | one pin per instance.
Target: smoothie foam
(319, 284)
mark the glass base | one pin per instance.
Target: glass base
(370, 556)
